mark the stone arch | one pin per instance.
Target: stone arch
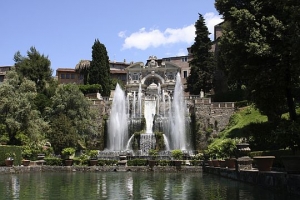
(155, 76)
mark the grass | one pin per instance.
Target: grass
(247, 123)
(240, 120)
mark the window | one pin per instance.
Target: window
(67, 76)
(184, 59)
(184, 74)
(135, 77)
(72, 76)
(62, 76)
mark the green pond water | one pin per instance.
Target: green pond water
(129, 185)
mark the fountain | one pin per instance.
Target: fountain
(137, 118)
(117, 124)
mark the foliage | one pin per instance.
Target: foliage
(260, 49)
(10, 155)
(160, 143)
(228, 148)
(287, 133)
(108, 162)
(62, 134)
(13, 150)
(53, 161)
(85, 89)
(68, 151)
(26, 152)
(114, 83)
(82, 160)
(199, 156)
(78, 120)
(137, 162)
(153, 153)
(35, 67)
(17, 110)
(99, 71)
(93, 154)
(164, 162)
(177, 154)
(202, 65)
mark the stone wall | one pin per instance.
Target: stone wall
(46, 168)
(215, 115)
(280, 181)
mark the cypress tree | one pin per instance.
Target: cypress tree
(202, 64)
(99, 72)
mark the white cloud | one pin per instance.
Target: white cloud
(144, 39)
(122, 34)
(211, 19)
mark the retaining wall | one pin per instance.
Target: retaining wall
(271, 180)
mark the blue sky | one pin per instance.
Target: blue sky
(65, 30)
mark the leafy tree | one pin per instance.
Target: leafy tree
(35, 67)
(17, 113)
(260, 50)
(70, 102)
(202, 64)
(63, 133)
(99, 71)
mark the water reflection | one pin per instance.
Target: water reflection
(129, 185)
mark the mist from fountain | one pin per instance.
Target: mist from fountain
(117, 122)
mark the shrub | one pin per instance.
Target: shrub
(53, 161)
(93, 154)
(164, 162)
(67, 152)
(177, 154)
(137, 162)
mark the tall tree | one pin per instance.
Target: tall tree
(99, 71)
(35, 67)
(70, 104)
(259, 47)
(17, 113)
(202, 64)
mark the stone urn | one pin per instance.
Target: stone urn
(230, 163)
(178, 164)
(264, 163)
(93, 162)
(68, 162)
(25, 162)
(152, 163)
(216, 163)
(9, 162)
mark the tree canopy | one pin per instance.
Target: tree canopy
(35, 67)
(20, 121)
(260, 50)
(99, 71)
(202, 64)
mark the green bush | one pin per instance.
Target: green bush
(82, 160)
(164, 162)
(137, 162)
(53, 161)
(17, 150)
(67, 152)
(177, 154)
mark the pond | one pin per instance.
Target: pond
(128, 185)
